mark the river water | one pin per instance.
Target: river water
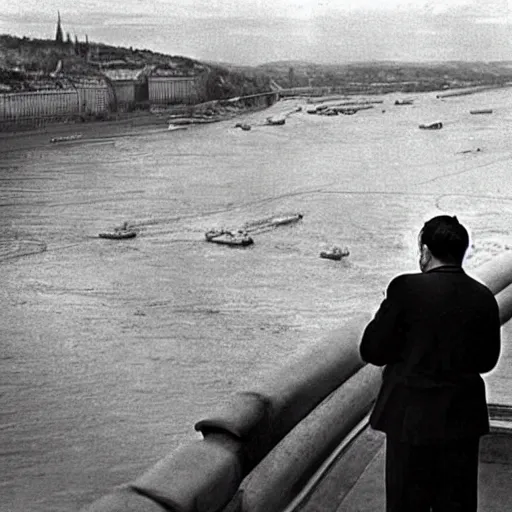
(112, 350)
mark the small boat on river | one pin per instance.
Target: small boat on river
(328, 112)
(432, 126)
(245, 127)
(336, 253)
(276, 121)
(118, 235)
(224, 237)
(481, 111)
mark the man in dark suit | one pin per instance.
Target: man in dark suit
(435, 332)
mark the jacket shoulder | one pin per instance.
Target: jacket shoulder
(403, 280)
(485, 293)
(480, 286)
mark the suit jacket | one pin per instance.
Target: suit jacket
(435, 332)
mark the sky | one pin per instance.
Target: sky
(252, 32)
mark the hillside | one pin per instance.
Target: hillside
(24, 61)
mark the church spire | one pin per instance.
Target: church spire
(59, 36)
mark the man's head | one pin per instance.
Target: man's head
(442, 240)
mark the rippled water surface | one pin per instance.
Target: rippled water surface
(112, 350)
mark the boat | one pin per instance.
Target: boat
(432, 126)
(276, 121)
(118, 235)
(477, 150)
(328, 112)
(66, 138)
(336, 253)
(349, 111)
(245, 127)
(481, 111)
(225, 237)
(403, 102)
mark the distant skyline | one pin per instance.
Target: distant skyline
(253, 32)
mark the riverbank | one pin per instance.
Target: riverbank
(126, 123)
(160, 118)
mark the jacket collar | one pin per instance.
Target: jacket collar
(446, 268)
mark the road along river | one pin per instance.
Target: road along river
(112, 350)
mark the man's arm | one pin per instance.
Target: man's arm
(490, 349)
(382, 337)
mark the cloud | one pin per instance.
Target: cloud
(493, 21)
(254, 32)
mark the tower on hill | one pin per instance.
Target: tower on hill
(59, 36)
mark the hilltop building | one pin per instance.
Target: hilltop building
(59, 36)
(76, 47)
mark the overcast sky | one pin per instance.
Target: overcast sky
(257, 31)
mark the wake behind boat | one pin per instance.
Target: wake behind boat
(272, 222)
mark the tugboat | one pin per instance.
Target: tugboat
(336, 253)
(119, 233)
(226, 237)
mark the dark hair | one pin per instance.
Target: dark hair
(446, 238)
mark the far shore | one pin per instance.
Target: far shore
(122, 124)
(30, 137)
